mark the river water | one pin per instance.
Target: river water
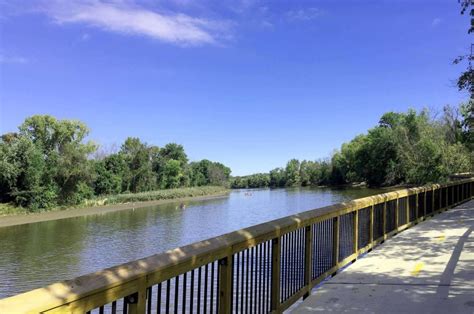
(37, 254)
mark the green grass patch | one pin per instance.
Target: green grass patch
(169, 194)
(10, 209)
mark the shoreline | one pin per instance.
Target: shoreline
(23, 219)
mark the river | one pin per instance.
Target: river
(37, 254)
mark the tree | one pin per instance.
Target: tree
(293, 173)
(110, 175)
(466, 79)
(21, 171)
(277, 178)
(172, 174)
(67, 169)
(467, 124)
(140, 176)
(174, 151)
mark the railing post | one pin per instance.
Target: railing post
(384, 219)
(371, 230)
(417, 207)
(137, 301)
(396, 214)
(447, 198)
(424, 206)
(335, 242)
(275, 284)
(460, 193)
(225, 284)
(356, 232)
(432, 201)
(308, 258)
(453, 190)
(408, 209)
(440, 201)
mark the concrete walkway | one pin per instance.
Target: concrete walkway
(428, 268)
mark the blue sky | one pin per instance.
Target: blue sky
(248, 83)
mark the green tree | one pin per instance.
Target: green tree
(277, 178)
(110, 175)
(172, 174)
(466, 79)
(292, 171)
(21, 171)
(140, 176)
(67, 169)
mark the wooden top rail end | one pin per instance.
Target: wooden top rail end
(122, 280)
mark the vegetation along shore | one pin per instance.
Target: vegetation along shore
(48, 164)
(11, 215)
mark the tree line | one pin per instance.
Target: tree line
(404, 148)
(48, 163)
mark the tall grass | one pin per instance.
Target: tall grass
(10, 209)
(157, 195)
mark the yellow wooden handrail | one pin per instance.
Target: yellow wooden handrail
(93, 290)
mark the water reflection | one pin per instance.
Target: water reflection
(38, 254)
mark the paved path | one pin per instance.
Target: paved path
(428, 268)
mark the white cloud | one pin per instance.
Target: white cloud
(12, 59)
(304, 14)
(436, 21)
(127, 18)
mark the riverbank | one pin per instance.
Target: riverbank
(112, 204)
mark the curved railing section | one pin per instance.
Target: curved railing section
(260, 269)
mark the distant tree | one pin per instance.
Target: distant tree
(174, 151)
(140, 176)
(292, 171)
(172, 174)
(277, 178)
(257, 180)
(111, 173)
(467, 124)
(21, 172)
(67, 169)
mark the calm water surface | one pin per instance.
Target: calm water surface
(38, 254)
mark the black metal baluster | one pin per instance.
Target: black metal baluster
(217, 288)
(158, 299)
(260, 276)
(205, 287)
(293, 263)
(176, 294)
(148, 299)
(242, 281)
(191, 303)
(247, 282)
(199, 291)
(125, 306)
(212, 287)
(236, 270)
(185, 281)
(168, 288)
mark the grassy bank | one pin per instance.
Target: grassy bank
(168, 194)
(126, 198)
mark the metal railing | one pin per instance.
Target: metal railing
(261, 269)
